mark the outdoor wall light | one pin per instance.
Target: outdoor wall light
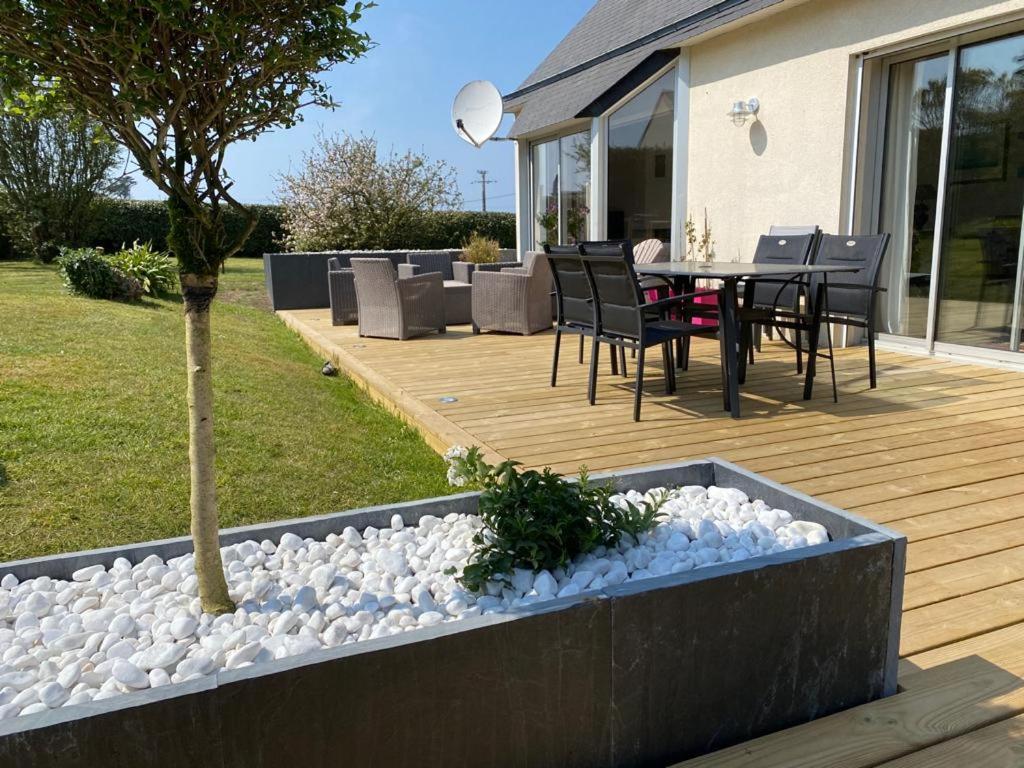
(741, 110)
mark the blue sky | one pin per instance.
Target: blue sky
(403, 89)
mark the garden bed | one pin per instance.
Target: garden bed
(624, 658)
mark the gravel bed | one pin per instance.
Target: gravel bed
(112, 631)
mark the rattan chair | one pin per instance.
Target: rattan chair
(421, 262)
(394, 308)
(342, 290)
(514, 300)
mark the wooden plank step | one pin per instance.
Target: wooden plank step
(1000, 745)
(942, 703)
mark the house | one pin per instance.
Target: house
(905, 116)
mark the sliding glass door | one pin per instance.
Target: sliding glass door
(979, 267)
(952, 195)
(910, 194)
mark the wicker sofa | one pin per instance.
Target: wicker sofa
(514, 299)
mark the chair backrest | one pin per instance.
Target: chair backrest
(333, 264)
(783, 230)
(650, 251)
(375, 281)
(574, 303)
(616, 291)
(865, 252)
(619, 248)
(433, 261)
(777, 249)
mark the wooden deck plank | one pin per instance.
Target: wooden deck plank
(943, 703)
(1000, 745)
(934, 451)
(966, 577)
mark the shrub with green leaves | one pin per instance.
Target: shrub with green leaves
(87, 271)
(538, 520)
(478, 249)
(156, 272)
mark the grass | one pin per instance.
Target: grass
(93, 440)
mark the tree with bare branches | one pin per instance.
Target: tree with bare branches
(177, 83)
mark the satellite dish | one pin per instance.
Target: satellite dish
(477, 112)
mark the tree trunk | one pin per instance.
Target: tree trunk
(198, 292)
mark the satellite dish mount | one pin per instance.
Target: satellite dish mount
(477, 112)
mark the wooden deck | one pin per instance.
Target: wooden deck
(936, 450)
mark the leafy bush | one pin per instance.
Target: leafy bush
(88, 271)
(538, 520)
(448, 229)
(156, 272)
(117, 222)
(480, 250)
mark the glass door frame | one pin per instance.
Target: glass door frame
(874, 102)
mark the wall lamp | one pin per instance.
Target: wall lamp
(741, 110)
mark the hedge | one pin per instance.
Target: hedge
(117, 223)
(122, 222)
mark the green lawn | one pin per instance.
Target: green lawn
(93, 421)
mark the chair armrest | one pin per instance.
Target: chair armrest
(408, 270)
(856, 287)
(498, 266)
(514, 270)
(463, 271)
(408, 285)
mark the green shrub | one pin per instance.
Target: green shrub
(480, 250)
(87, 271)
(156, 272)
(117, 222)
(538, 520)
(448, 229)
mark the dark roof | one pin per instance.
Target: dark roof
(613, 38)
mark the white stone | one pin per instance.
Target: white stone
(160, 655)
(84, 574)
(129, 675)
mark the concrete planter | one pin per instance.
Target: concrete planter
(634, 675)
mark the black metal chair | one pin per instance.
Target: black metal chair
(850, 297)
(624, 320)
(769, 294)
(574, 304)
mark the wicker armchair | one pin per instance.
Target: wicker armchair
(342, 289)
(421, 262)
(514, 300)
(395, 308)
(464, 270)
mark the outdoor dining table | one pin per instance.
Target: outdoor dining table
(684, 275)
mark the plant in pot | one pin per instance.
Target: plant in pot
(548, 221)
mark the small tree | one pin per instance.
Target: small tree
(177, 82)
(52, 169)
(348, 195)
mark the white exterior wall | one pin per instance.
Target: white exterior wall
(789, 166)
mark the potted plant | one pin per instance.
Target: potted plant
(548, 221)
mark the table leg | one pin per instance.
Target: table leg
(812, 342)
(727, 321)
(683, 345)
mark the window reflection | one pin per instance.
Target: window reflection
(640, 139)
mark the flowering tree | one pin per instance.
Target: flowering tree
(178, 82)
(349, 195)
